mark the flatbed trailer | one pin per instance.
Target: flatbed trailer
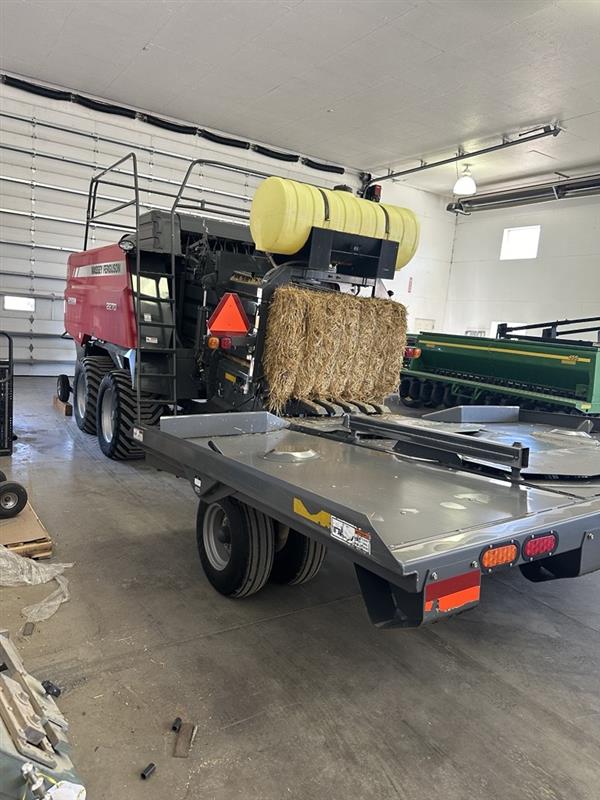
(423, 507)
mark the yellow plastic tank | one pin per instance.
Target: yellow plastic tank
(284, 211)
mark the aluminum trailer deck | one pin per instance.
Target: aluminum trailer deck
(423, 508)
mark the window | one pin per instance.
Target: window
(520, 243)
(12, 303)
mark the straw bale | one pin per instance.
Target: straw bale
(332, 346)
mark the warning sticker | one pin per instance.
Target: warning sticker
(351, 535)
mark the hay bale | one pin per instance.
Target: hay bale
(332, 346)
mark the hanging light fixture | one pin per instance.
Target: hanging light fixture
(465, 184)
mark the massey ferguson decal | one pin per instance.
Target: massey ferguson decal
(100, 270)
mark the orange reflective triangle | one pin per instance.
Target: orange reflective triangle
(229, 317)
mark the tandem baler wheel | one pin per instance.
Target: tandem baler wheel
(88, 376)
(236, 545)
(116, 415)
(297, 557)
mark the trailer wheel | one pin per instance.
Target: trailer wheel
(297, 557)
(116, 416)
(236, 545)
(13, 499)
(88, 375)
(63, 388)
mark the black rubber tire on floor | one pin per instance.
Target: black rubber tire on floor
(121, 446)
(13, 499)
(91, 369)
(298, 560)
(63, 388)
(252, 547)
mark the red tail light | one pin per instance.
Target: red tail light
(537, 546)
(412, 352)
(226, 342)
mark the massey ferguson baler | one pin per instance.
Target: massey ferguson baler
(190, 318)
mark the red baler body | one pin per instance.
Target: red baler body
(99, 298)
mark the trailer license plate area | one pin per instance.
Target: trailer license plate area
(351, 535)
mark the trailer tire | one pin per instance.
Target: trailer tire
(13, 499)
(88, 376)
(116, 415)
(298, 558)
(236, 545)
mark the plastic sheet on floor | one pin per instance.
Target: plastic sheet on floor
(16, 570)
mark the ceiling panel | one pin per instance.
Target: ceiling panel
(375, 84)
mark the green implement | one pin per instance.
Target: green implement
(533, 372)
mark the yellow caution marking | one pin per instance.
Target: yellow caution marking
(565, 359)
(229, 377)
(322, 518)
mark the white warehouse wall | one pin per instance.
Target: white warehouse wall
(563, 281)
(422, 285)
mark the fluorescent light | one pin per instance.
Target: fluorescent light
(465, 184)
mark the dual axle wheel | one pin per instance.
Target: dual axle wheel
(241, 548)
(104, 404)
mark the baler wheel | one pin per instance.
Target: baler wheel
(88, 376)
(236, 545)
(297, 558)
(116, 416)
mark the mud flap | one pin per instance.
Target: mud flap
(571, 564)
(391, 606)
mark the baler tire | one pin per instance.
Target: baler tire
(242, 568)
(92, 369)
(13, 499)
(118, 444)
(299, 559)
(63, 388)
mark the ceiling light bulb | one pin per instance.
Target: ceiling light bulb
(465, 184)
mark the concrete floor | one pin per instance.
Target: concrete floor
(294, 693)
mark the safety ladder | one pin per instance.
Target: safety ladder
(155, 313)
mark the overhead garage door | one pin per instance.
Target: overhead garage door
(50, 149)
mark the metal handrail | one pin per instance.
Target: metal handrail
(203, 162)
(91, 217)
